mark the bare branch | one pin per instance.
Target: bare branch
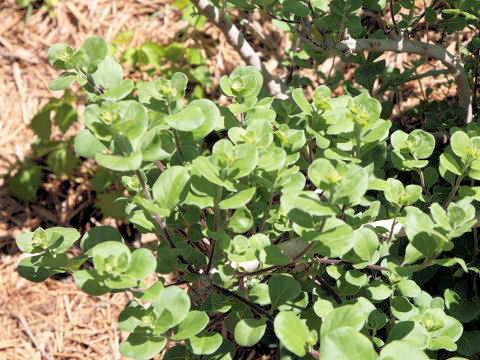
(401, 45)
(235, 38)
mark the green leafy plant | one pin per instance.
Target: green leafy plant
(152, 58)
(29, 5)
(358, 34)
(50, 154)
(295, 230)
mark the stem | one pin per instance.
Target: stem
(175, 135)
(311, 152)
(269, 206)
(475, 244)
(357, 130)
(422, 182)
(305, 152)
(281, 19)
(98, 88)
(317, 259)
(454, 190)
(161, 223)
(157, 217)
(258, 309)
(265, 270)
(394, 222)
(338, 261)
(235, 38)
(312, 11)
(315, 354)
(422, 15)
(324, 284)
(304, 251)
(177, 144)
(427, 262)
(312, 244)
(393, 16)
(475, 85)
(344, 208)
(216, 221)
(401, 45)
(159, 165)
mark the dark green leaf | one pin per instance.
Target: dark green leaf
(282, 288)
(296, 7)
(25, 183)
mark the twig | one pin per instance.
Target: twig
(324, 284)
(392, 14)
(338, 261)
(422, 15)
(181, 282)
(258, 309)
(454, 191)
(235, 38)
(304, 251)
(312, 11)
(475, 84)
(159, 165)
(265, 270)
(306, 154)
(282, 19)
(32, 338)
(390, 234)
(135, 290)
(216, 224)
(177, 144)
(422, 182)
(269, 207)
(161, 223)
(426, 263)
(437, 52)
(79, 208)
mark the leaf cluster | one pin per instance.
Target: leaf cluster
(288, 226)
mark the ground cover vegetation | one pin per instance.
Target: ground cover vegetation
(306, 227)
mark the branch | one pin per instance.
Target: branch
(324, 284)
(401, 45)
(423, 49)
(161, 223)
(257, 308)
(235, 38)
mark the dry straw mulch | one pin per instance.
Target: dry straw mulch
(54, 320)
